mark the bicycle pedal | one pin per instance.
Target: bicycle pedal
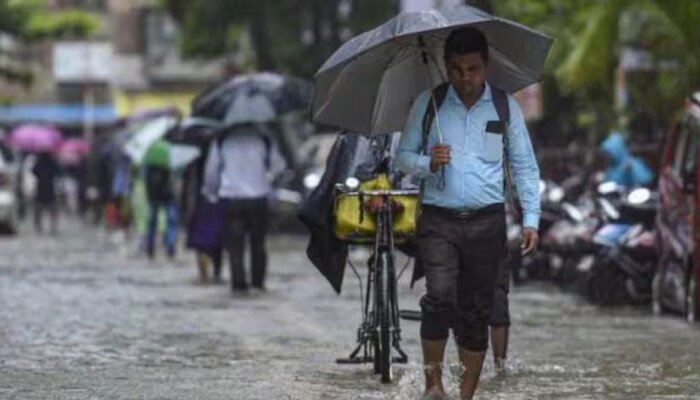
(411, 315)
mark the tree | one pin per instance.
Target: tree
(31, 21)
(589, 35)
(289, 36)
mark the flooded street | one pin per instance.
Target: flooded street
(81, 320)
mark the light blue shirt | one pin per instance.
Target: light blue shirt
(474, 176)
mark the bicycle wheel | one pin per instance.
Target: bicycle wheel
(384, 308)
(377, 351)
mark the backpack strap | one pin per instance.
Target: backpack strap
(500, 102)
(437, 97)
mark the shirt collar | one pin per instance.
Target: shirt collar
(485, 96)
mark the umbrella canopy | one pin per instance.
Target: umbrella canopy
(35, 138)
(146, 135)
(370, 83)
(196, 131)
(169, 155)
(254, 98)
(74, 145)
(71, 151)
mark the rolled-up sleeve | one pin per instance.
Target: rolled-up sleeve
(524, 166)
(409, 159)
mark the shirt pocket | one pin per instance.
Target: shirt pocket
(492, 147)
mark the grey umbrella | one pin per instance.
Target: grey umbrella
(370, 83)
(253, 98)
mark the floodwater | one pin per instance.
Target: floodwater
(80, 319)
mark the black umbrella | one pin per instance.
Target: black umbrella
(254, 98)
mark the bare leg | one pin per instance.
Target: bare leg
(433, 356)
(472, 361)
(202, 262)
(499, 346)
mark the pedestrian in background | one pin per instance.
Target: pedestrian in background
(160, 194)
(238, 171)
(205, 221)
(120, 190)
(46, 170)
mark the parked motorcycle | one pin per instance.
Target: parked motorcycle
(564, 229)
(625, 252)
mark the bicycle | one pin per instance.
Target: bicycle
(380, 330)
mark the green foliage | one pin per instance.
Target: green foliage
(589, 35)
(13, 15)
(32, 20)
(71, 24)
(289, 36)
(295, 36)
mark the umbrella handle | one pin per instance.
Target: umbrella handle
(441, 181)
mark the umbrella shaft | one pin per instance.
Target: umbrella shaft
(432, 96)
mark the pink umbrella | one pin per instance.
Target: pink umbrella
(35, 138)
(71, 151)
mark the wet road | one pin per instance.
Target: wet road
(80, 320)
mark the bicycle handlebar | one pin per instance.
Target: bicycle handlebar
(380, 192)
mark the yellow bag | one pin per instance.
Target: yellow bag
(347, 211)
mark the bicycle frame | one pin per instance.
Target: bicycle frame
(381, 284)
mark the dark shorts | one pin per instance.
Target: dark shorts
(461, 258)
(500, 314)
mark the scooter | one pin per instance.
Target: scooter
(625, 252)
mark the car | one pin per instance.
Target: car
(675, 282)
(9, 206)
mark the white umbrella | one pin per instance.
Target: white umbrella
(137, 146)
(181, 155)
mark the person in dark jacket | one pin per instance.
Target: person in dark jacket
(46, 170)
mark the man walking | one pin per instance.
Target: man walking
(461, 232)
(238, 171)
